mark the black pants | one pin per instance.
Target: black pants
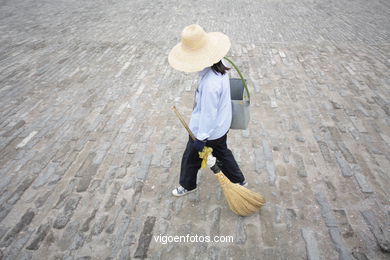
(191, 163)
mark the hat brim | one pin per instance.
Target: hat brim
(217, 46)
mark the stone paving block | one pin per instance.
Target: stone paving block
(23, 223)
(87, 222)
(359, 255)
(69, 207)
(44, 177)
(145, 237)
(14, 250)
(346, 153)
(344, 253)
(301, 171)
(27, 139)
(99, 225)
(361, 179)
(325, 151)
(267, 151)
(345, 168)
(259, 160)
(271, 172)
(143, 171)
(331, 223)
(358, 124)
(240, 235)
(63, 196)
(115, 242)
(311, 244)
(215, 224)
(39, 236)
(72, 238)
(87, 177)
(20, 190)
(342, 221)
(157, 155)
(135, 197)
(381, 233)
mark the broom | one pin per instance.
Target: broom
(241, 200)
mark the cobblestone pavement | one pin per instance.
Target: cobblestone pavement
(90, 148)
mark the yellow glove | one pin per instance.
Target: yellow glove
(204, 155)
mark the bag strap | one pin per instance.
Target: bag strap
(239, 73)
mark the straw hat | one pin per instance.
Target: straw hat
(198, 49)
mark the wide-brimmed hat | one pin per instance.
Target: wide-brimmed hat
(198, 49)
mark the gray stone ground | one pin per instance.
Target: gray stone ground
(90, 148)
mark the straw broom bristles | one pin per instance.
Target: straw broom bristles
(241, 200)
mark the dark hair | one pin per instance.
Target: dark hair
(219, 67)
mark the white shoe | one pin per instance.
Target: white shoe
(244, 183)
(180, 191)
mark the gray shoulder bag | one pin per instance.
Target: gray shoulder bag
(240, 100)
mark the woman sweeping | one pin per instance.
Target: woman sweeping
(211, 117)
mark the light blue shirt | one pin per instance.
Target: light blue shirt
(212, 114)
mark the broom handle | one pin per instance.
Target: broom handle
(214, 168)
(183, 122)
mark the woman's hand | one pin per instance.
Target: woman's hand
(211, 161)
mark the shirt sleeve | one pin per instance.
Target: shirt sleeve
(208, 112)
